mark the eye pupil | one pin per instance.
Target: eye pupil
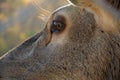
(57, 26)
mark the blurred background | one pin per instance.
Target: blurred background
(21, 19)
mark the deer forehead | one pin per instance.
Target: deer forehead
(71, 14)
(76, 20)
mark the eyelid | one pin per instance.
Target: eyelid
(59, 21)
(60, 18)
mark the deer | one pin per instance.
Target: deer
(81, 41)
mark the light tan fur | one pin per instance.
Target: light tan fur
(105, 15)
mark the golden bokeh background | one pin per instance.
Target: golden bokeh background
(21, 19)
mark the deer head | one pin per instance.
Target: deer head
(72, 46)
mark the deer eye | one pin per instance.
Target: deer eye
(57, 26)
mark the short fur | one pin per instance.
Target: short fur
(106, 15)
(84, 50)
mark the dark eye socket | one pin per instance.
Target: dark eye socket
(57, 26)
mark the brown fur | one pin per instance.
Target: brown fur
(84, 50)
(106, 15)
